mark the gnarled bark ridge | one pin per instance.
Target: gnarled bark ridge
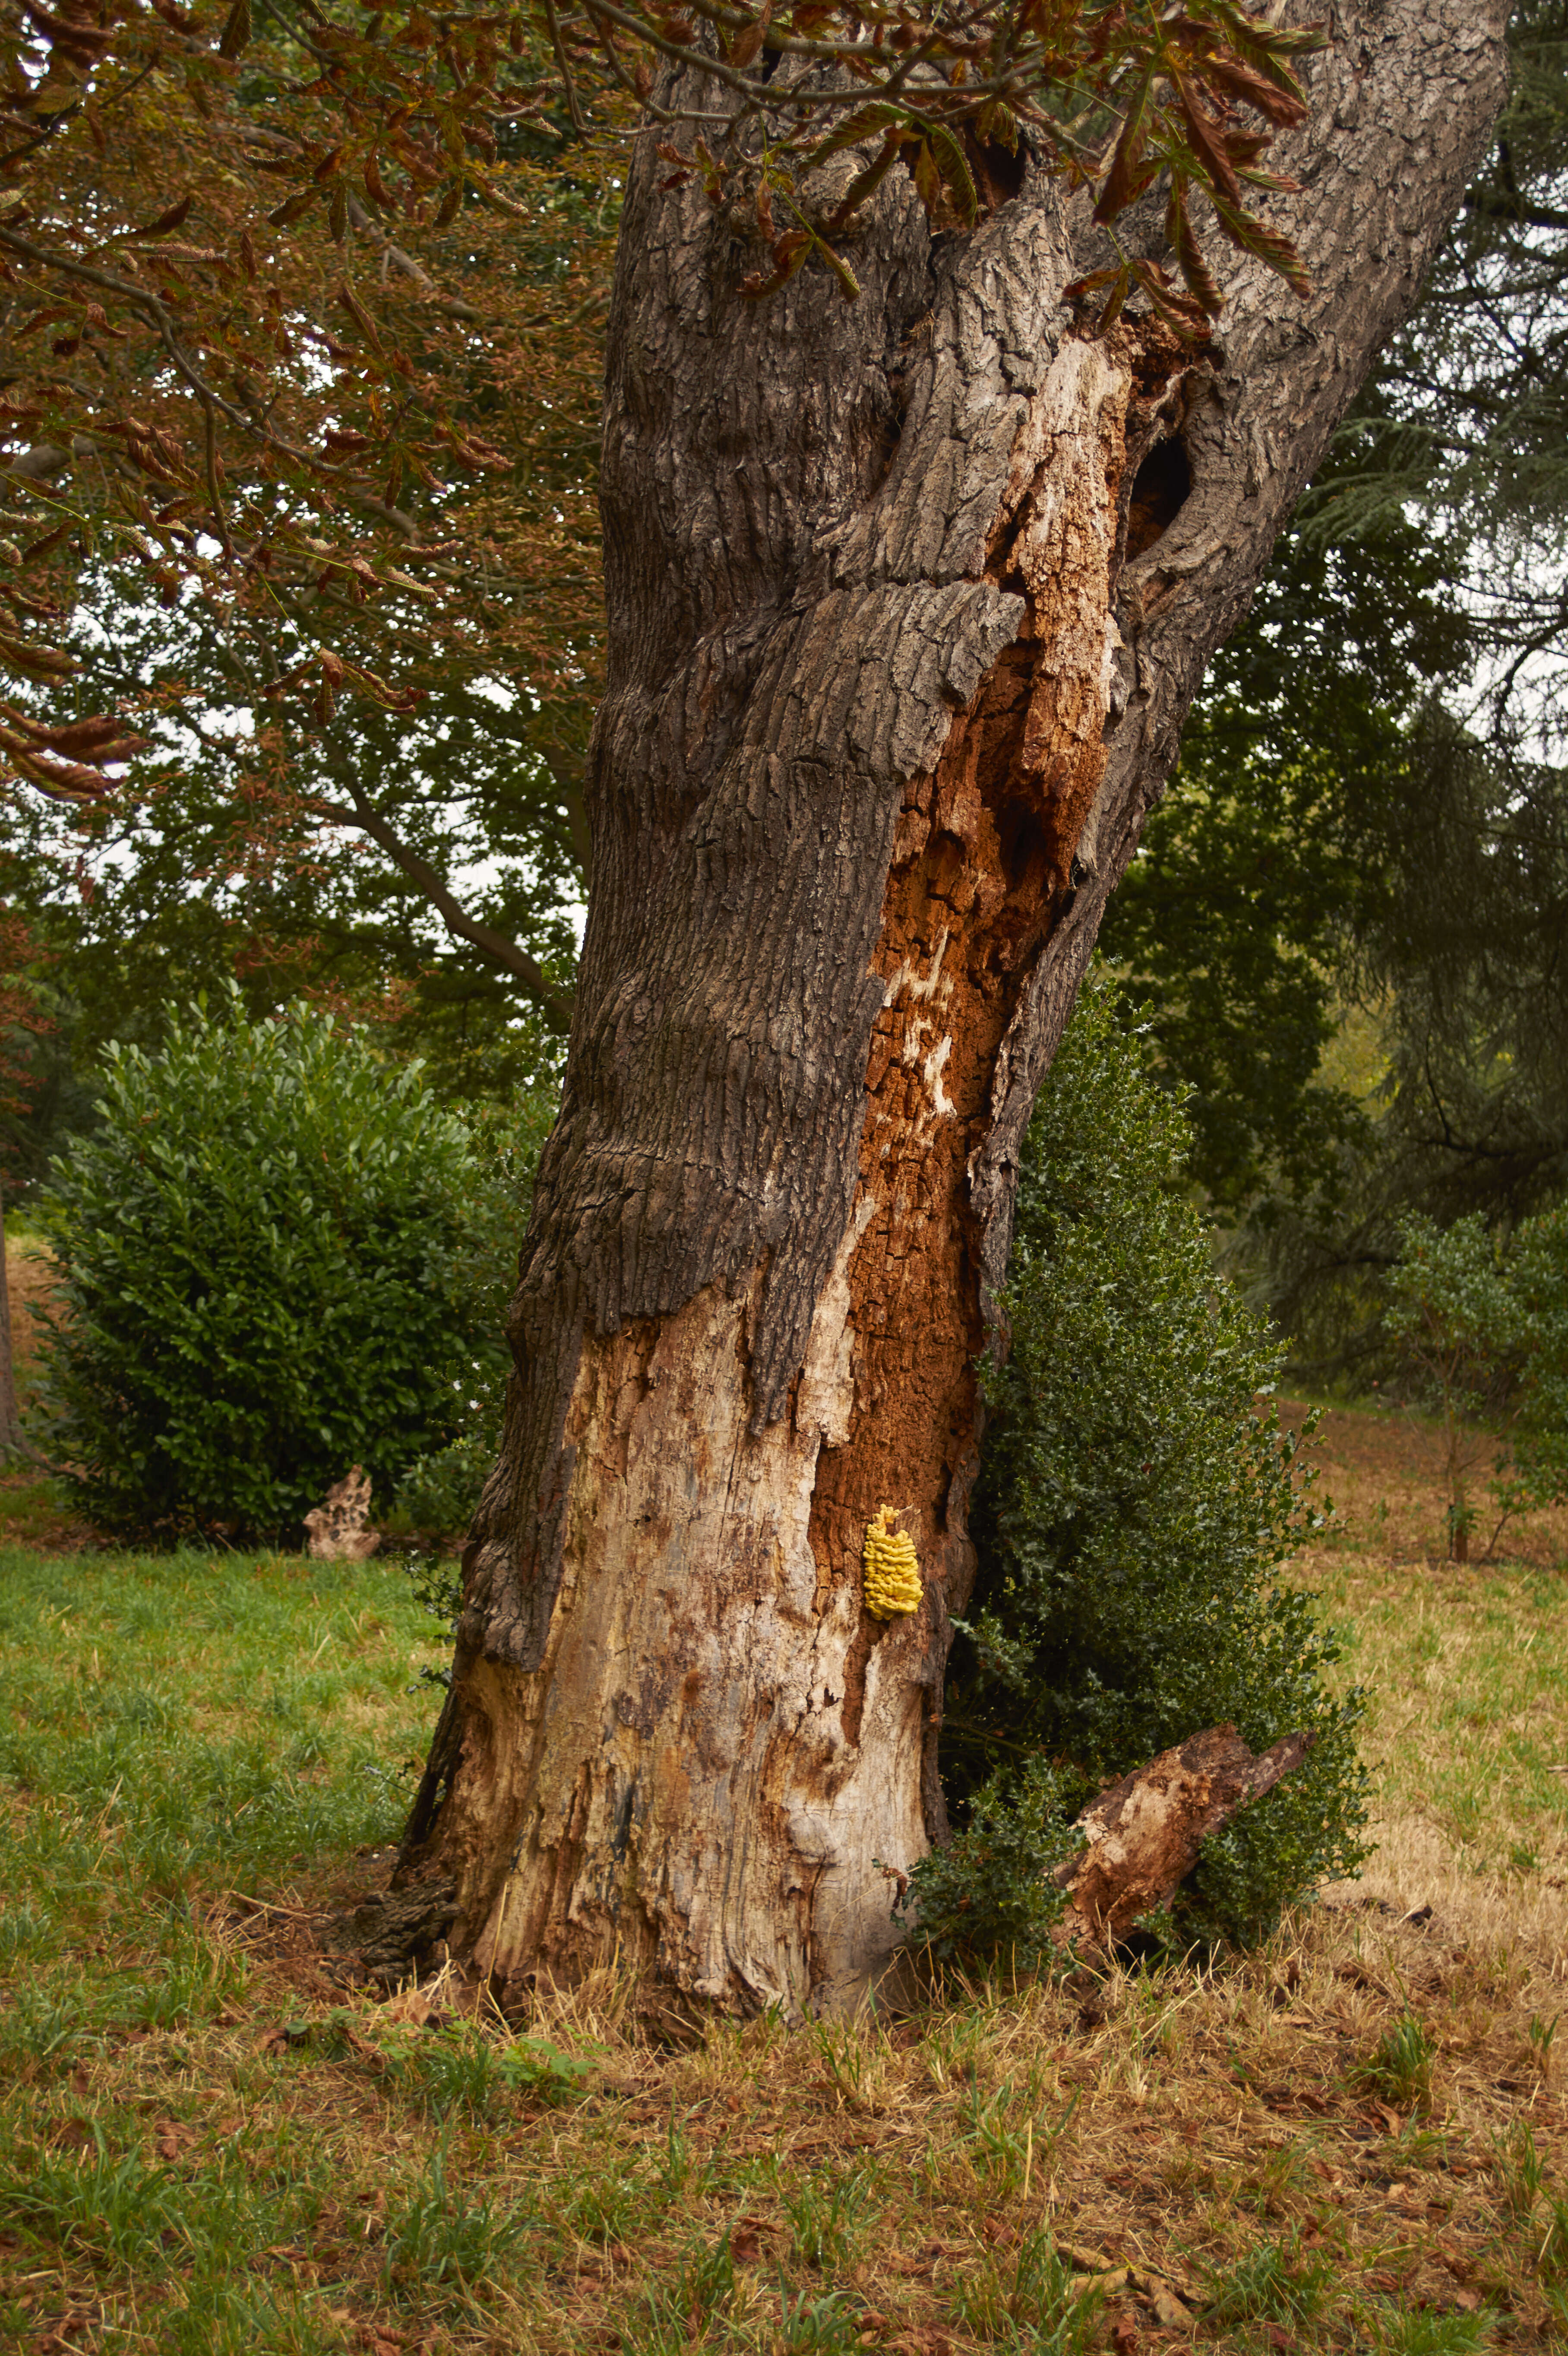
(907, 600)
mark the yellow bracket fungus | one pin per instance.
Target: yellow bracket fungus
(891, 1583)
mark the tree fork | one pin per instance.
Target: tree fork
(907, 601)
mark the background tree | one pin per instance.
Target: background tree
(270, 459)
(1265, 866)
(1370, 836)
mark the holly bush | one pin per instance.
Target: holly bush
(1136, 1496)
(273, 1261)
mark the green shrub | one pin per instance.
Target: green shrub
(1133, 1505)
(267, 1257)
(1541, 1281)
(439, 1491)
(1454, 1319)
(990, 1889)
(1481, 1323)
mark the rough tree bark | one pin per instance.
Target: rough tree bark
(908, 598)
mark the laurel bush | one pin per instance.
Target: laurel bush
(267, 1255)
(437, 1495)
(1136, 1496)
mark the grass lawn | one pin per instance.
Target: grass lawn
(1356, 2139)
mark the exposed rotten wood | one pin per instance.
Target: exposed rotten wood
(1144, 1833)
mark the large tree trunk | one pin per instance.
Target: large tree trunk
(907, 600)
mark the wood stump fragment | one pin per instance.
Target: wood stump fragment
(336, 1530)
(1145, 1833)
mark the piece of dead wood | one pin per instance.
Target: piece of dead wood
(394, 1938)
(338, 1529)
(1144, 1834)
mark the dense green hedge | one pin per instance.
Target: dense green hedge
(1134, 1501)
(277, 1258)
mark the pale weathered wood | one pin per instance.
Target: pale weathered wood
(1144, 1833)
(338, 1529)
(907, 598)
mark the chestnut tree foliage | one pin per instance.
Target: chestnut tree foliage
(300, 305)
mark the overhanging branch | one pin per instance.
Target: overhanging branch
(552, 1003)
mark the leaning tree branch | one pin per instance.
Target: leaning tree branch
(552, 1003)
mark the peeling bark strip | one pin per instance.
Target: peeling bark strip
(907, 600)
(1145, 1833)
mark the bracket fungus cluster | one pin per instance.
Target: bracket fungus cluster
(890, 1581)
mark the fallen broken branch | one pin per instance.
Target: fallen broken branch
(1144, 1834)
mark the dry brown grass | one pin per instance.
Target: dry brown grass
(30, 1275)
(1356, 2139)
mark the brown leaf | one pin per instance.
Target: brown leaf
(1253, 90)
(1195, 270)
(167, 220)
(84, 43)
(361, 318)
(1125, 2337)
(1130, 173)
(745, 2240)
(1208, 141)
(42, 663)
(412, 2006)
(292, 208)
(237, 31)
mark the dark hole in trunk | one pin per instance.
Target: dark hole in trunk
(1159, 491)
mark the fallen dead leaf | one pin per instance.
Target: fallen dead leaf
(745, 2240)
(415, 2007)
(1087, 2261)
